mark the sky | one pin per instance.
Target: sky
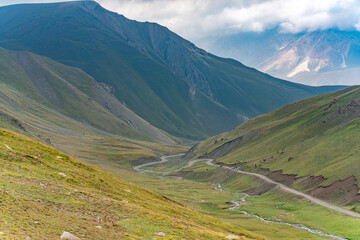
(199, 19)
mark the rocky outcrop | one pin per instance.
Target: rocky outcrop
(107, 88)
(68, 236)
(15, 122)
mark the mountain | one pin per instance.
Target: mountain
(45, 192)
(67, 91)
(162, 78)
(67, 109)
(325, 57)
(311, 145)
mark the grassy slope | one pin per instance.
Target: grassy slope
(41, 99)
(123, 54)
(37, 201)
(71, 136)
(321, 139)
(204, 198)
(275, 205)
(72, 92)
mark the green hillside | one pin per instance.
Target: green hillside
(316, 137)
(41, 99)
(163, 78)
(45, 192)
(29, 117)
(71, 92)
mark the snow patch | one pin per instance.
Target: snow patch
(322, 63)
(343, 64)
(285, 60)
(301, 67)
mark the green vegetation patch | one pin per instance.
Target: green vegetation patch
(44, 192)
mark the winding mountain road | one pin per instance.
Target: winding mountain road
(282, 186)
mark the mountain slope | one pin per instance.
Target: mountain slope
(45, 192)
(71, 92)
(142, 84)
(163, 78)
(326, 57)
(89, 124)
(317, 137)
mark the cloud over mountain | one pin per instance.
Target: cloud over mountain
(195, 19)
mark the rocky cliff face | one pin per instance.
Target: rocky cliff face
(162, 45)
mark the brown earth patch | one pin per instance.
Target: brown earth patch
(279, 176)
(342, 192)
(309, 182)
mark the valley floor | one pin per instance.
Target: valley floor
(330, 215)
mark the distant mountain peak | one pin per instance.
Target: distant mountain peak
(319, 57)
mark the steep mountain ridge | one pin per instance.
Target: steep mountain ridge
(163, 78)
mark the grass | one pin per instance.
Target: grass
(318, 139)
(68, 91)
(77, 138)
(204, 198)
(37, 201)
(277, 204)
(198, 192)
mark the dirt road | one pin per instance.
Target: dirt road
(282, 186)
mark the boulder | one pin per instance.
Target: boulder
(69, 236)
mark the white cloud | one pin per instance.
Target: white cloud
(357, 25)
(195, 19)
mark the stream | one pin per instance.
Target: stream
(236, 204)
